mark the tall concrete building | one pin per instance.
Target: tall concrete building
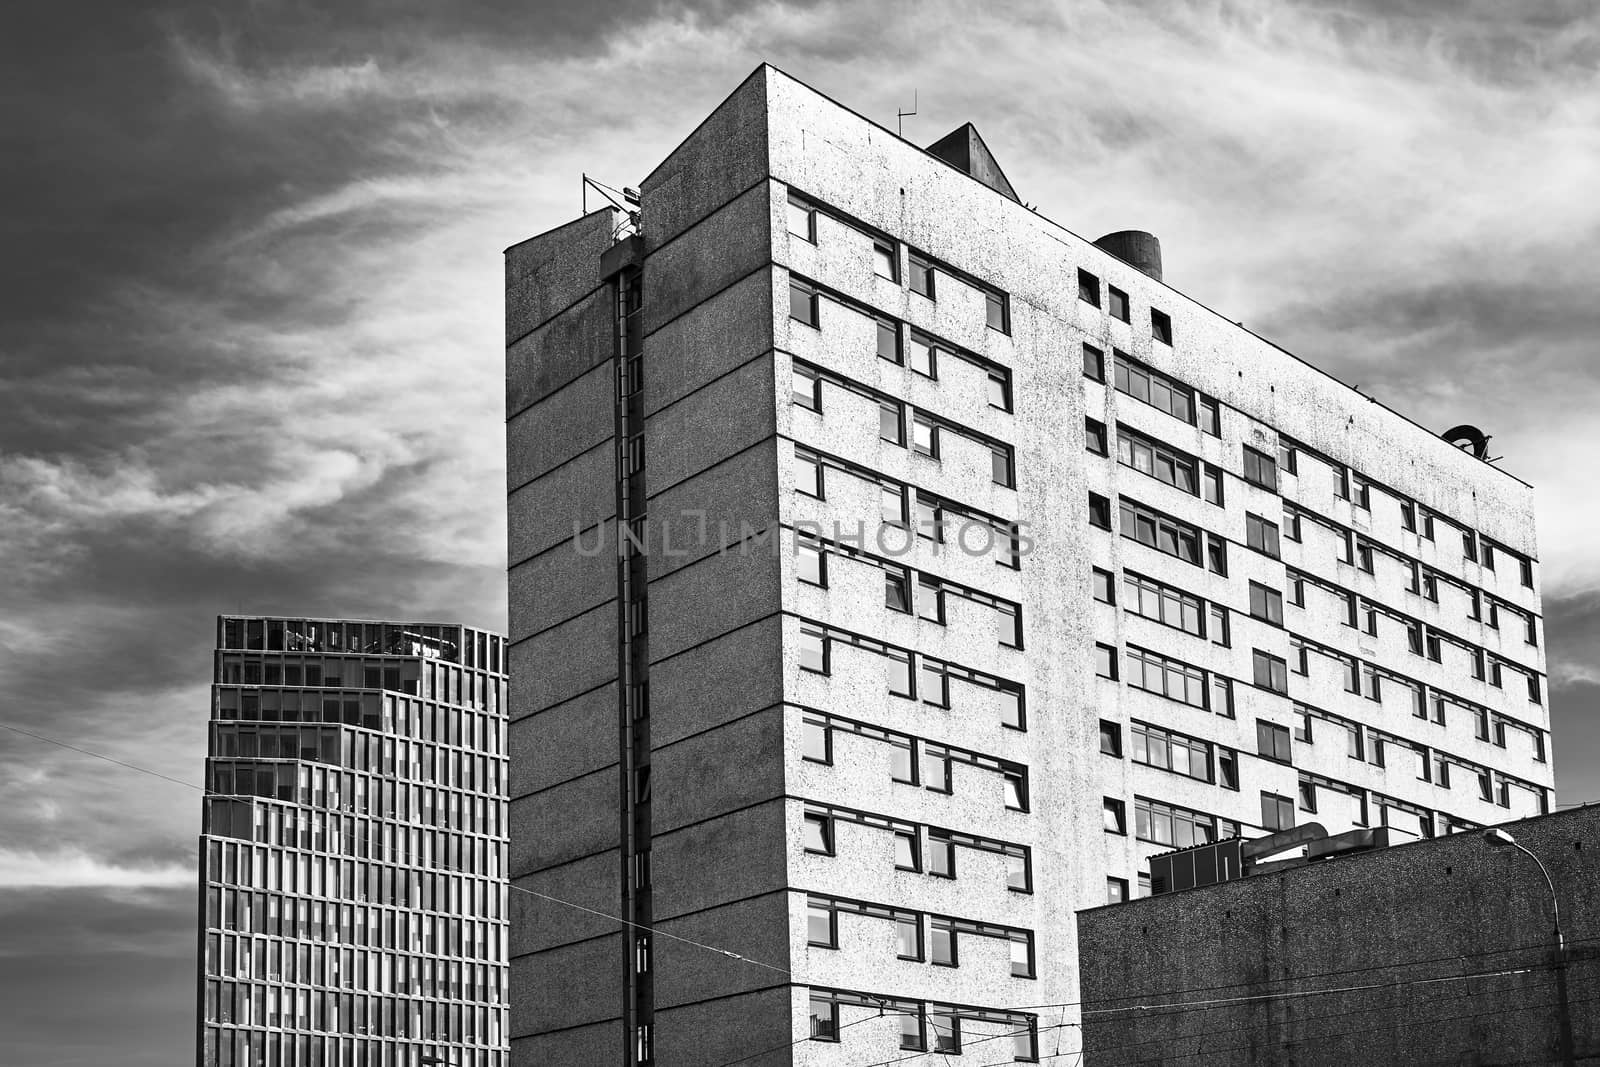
(964, 565)
(353, 846)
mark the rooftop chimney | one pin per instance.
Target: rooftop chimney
(1136, 248)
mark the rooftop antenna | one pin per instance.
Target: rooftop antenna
(625, 200)
(901, 116)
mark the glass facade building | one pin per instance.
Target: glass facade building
(353, 846)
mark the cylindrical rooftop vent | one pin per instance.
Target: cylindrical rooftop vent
(1140, 249)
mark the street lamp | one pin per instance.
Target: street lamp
(1498, 838)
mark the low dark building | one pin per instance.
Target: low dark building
(1442, 951)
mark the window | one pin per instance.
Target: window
(1260, 469)
(941, 857)
(922, 276)
(1166, 824)
(824, 1019)
(934, 769)
(816, 741)
(1115, 816)
(1105, 588)
(1105, 661)
(1308, 796)
(935, 684)
(1094, 363)
(889, 341)
(1271, 672)
(895, 596)
(1266, 603)
(885, 261)
(822, 928)
(1277, 813)
(999, 389)
(893, 503)
(1158, 461)
(1088, 288)
(803, 304)
(1018, 878)
(1118, 303)
(924, 436)
(1021, 956)
(930, 602)
(818, 834)
(924, 355)
(1162, 603)
(802, 220)
(907, 856)
(1116, 890)
(1272, 741)
(1261, 535)
(1227, 768)
(1110, 738)
(1210, 415)
(808, 475)
(908, 946)
(1160, 326)
(807, 389)
(891, 424)
(1094, 432)
(1160, 532)
(1100, 511)
(1302, 725)
(1000, 466)
(813, 651)
(1286, 457)
(811, 564)
(1211, 485)
(997, 311)
(1219, 624)
(1153, 388)
(1217, 554)
(1155, 747)
(1016, 788)
(1469, 545)
(1527, 571)
(1158, 674)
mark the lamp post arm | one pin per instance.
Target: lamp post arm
(1555, 904)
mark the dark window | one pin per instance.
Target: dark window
(1272, 741)
(922, 276)
(885, 260)
(1118, 303)
(1266, 603)
(1100, 511)
(1261, 535)
(1527, 571)
(1177, 469)
(1105, 661)
(1153, 388)
(803, 303)
(1277, 813)
(1115, 816)
(999, 389)
(889, 341)
(895, 597)
(891, 424)
(824, 1019)
(1116, 890)
(1000, 466)
(1217, 554)
(1095, 436)
(1260, 469)
(997, 311)
(1110, 738)
(1271, 672)
(1211, 485)
(1160, 326)
(1088, 288)
(1160, 532)
(1094, 363)
(1105, 586)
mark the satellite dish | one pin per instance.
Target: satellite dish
(1468, 439)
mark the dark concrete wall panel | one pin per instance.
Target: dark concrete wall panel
(734, 675)
(565, 580)
(547, 274)
(725, 155)
(700, 1033)
(727, 415)
(757, 929)
(570, 986)
(720, 333)
(737, 493)
(542, 513)
(561, 426)
(692, 605)
(564, 823)
(577, 340)
(727, 859)
(593, 882)
(582, 1047)
(563, 742)
(721, 770)
(569, 659)
(729, 243)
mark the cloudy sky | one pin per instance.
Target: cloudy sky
(250, 324)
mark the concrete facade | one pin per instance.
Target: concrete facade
(773, 207)
(1433, 952)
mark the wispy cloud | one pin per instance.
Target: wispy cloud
(73, 869)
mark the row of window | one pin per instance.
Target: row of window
(1160, 461)
(912, 760)
(1165, 676)
(909, 591)
(918, 849)
(919, 937)
(1150, 386)
(279, 1007)
(930, 682)
(384, 969)
(1167, 824)
(928, 1026)
(330, 789)
(451, 644)
(230, 1047)
(924, 273)
(421, 720)
(358, 750)
(934, 518)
